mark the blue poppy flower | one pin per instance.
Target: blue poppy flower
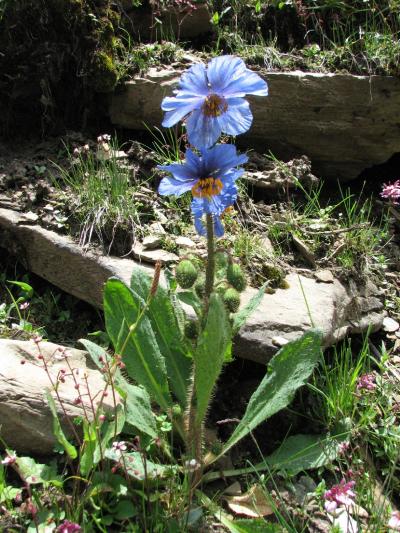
(200, 208)
(211, 178)
(211, 100)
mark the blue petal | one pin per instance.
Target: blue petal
(171, 186)
(201, 228)
(247, 83)
(177, 108)
(202, 131)
(237, 119)
(221, 158)
(222, 70)
(218, 227)
(180, 171)
(194, 81)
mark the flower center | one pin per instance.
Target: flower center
(207, 187)
(214, 106)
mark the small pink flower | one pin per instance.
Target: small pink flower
(394, 521)
(9, 460)
(366, 382)
(119, 446)
(343, 447)
(391, 191)
(68, 527)
(23, 306)
(338, 495)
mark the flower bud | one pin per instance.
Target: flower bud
(186, 274)
(235, 277)
(191, 329)
(231, 299)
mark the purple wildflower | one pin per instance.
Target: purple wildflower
(339, 495)
(68, 527)
(391, 191)
(366, 382)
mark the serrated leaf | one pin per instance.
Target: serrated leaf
(212, 347)
(240, 318)
(141, 354)
(288, 370)
(137, 403)
(57, 429)
(171, 343)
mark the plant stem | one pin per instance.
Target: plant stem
(210, 260)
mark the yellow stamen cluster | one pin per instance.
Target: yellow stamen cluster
(214, 106)
(207, 187)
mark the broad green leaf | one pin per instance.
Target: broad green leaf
(138, 410)
(288, 370)
(135, 467)
(57, 429)
(86, 461)
(35, 473)
(141, 354)
(171, 343)
(297, 453)
(212, 347)
(304, 452)
(240, 317)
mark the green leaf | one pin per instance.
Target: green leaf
(289, 369)
(141, 354)
(57, 429)
(86, 461)
(304, 452)
(171, 343)
(138, 410)
(35, 473)
(136, 468)
(212, 347)
(124, 510)
(25, 287)
(241, 317)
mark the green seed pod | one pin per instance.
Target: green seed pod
(235, 277)
(191, 329)
(186, 274)
(177, 411)
(200, 287)
(232, 300)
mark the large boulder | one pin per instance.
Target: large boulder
(336, 308)
(343, 123)
(26, 422)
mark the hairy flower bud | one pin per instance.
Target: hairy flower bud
(231, 299)
(186, 274)
(235, 277)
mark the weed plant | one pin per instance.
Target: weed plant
(105, 205)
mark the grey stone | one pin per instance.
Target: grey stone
(152, 256)
(337, 310)
(185, 242)
(324, 276)
(151, 242)
(343, 123)
(26, 420)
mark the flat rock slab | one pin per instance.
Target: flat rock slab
(335, 309)
(343, 123)
(26, 420)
